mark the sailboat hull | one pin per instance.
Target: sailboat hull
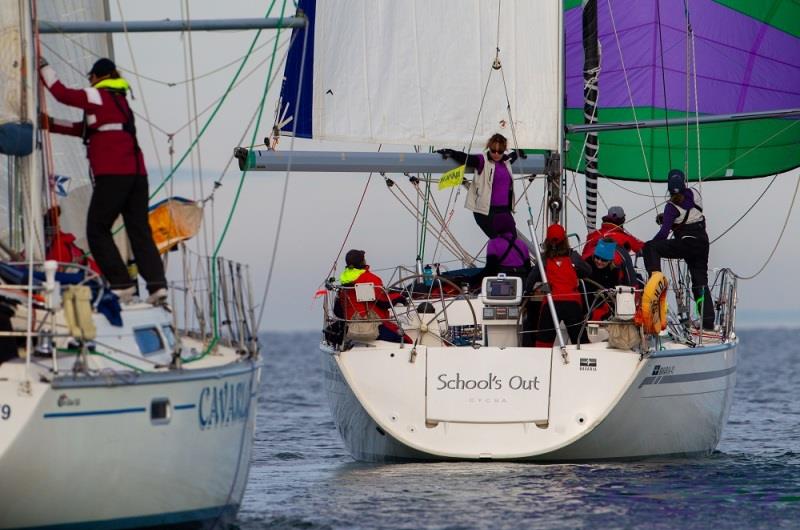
(155, 449)
(672, 402)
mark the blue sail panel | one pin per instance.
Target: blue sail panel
(299, 74)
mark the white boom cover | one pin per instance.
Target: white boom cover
(415, 71)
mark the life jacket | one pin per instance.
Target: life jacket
(692, 216)
(117, 89)
(563, 279)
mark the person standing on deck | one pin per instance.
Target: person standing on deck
(683, 216)
(119, 175)
(492, 190)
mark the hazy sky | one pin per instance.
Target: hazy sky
(320, 207)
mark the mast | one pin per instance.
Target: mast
(591, 71)
(554, 167)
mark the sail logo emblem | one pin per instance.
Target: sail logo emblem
(588, 364)
(663, 370)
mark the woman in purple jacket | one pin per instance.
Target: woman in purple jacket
(683, 216)
(492, 190)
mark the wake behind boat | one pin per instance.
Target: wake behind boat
(462, 382)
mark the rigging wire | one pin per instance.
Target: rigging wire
(778, 241)
(758, 199)
(139, 87)
(214, 307)
(630, 98)
(192, 88)
(663, 80)
(285, 191)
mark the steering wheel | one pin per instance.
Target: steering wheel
(427, 319)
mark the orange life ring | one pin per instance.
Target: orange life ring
(654, 304)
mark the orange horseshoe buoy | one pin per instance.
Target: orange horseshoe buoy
(654, 304)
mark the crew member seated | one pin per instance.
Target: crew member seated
(61, 245)
(350, 308)
(505, 252)
(606, 274)
(563, 266)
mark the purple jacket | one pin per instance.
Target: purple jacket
(501, 185)
(498, 246)
(671, 213)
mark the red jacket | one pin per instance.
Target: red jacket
(111, 150)
(563, 279)
(63, 249)
(615, 232)
(380, 306)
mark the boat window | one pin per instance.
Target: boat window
(160, 411)
(149, 340)
(169, 334)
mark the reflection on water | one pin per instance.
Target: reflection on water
(303, 478)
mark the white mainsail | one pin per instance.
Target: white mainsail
(440, 56)
(72, 55)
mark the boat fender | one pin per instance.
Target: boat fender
(654, 304)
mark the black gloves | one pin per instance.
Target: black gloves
(659, 218)
(446, 153)
(42, 62)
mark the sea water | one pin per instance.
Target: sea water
(302, 476)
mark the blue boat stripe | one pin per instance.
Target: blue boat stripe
(685, 378)
(185, 407)
(94, 412)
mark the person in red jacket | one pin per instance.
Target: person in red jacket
(612, 228)
(119, 174)
(60, 246)
(357, 271)
(563, 267)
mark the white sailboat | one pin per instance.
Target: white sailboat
(109, 418)
(418, 73)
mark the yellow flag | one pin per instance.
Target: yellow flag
(452, 178)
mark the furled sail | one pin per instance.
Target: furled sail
(16, 135)
(740, 57)
(416, 72)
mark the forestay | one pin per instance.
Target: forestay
(415, 72)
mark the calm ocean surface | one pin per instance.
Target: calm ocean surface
(302, 477)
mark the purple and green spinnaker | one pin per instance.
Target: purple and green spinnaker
(747, 57)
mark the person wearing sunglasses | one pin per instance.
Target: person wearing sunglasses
(607, 274)
(492, 190)
(118, 172)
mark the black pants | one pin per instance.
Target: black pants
(127, 195)
(571, 313)
(486, 222)
(693, 248)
